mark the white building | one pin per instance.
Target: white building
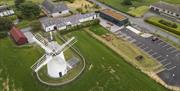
(50, 24)
(166, 9)
(54, 9)
(5, 11)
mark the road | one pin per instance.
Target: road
(140, 22)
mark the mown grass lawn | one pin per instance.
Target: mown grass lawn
(139, 11)
(98, 30)
(117, 4)
(109, 72)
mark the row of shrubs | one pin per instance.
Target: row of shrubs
(77, 27)
(170, 29)
(168, 23)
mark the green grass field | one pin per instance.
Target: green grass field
(98, 30)
(139, 11)
(108, 71)
(117, 4)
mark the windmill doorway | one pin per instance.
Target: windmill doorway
(55, 28)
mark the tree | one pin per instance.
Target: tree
(18, 2)
(127, 2)
(36, 25)
(29, 10)
(5, 24)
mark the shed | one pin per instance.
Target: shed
(18, 36)
(114, 17)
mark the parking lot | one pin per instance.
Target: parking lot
(163, 52)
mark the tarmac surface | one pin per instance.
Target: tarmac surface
(163, 52)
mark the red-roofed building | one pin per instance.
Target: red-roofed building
(18, 36)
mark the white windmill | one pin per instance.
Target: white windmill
(53, 57)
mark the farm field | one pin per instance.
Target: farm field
(117, 4)
(106, 71)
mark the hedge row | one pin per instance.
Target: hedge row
(175, 31)
(168, 23)
(83, 25)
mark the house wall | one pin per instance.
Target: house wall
(49, 28)
(159, 10)
(60, 14)
(61, 28)
(88, 18)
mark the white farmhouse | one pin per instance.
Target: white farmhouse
(50, 24)
(54, 9)
(167, 9)
(5, 11)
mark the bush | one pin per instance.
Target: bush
(167, 23)
(170, 29)
(3, 34)
(36, 26)
(5, 24)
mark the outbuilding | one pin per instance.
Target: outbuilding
(18, 36)
(53, 9)
(113, 17)
(166, 9)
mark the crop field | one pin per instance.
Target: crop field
(105, 70)
(117, 4)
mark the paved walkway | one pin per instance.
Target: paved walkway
(140, 22)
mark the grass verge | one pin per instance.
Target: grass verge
(139, 11)
(155, 21)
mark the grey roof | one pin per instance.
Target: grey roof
(59, 22)
(167, 6)
(3, 8)
(51, 7)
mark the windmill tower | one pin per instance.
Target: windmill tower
(54, 57)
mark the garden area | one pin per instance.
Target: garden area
(165, 24)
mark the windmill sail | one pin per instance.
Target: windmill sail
(53, 57)
(41, 62)
(42, 42)
(69, 43)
